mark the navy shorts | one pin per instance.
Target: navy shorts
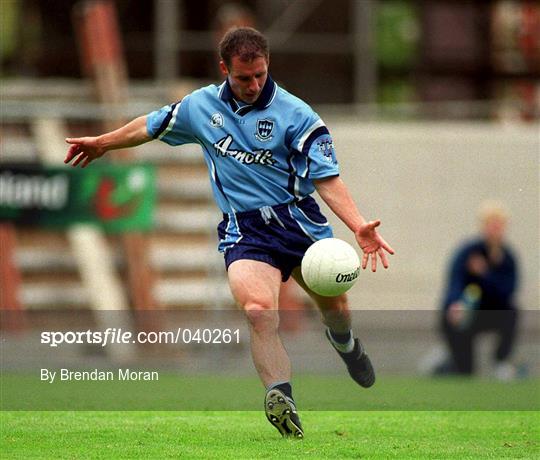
(278, 235)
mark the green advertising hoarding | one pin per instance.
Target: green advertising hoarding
(117, 197)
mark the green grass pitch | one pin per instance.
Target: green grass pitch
(246, 434)
(407, 430)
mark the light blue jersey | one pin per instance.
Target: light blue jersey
(257, 155)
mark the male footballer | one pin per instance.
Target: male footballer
(267, 151)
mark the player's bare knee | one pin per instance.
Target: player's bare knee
(261, 318)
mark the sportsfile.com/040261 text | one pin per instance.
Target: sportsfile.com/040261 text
(119, 336)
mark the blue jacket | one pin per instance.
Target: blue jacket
(497, 285)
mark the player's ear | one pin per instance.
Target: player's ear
(223, 68)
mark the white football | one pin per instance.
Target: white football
(330, 267)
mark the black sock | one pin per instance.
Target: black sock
(286, 388)
(341, 338)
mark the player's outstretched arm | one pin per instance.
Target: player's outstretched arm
(336, 195)
(84, 150)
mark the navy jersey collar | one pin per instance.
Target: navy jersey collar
(264, 100)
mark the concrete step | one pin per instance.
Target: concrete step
(183, 188)
(163, 258)
(18, 149)
(180, 239)
(53, 295)
(160, 153)
(144, 95)
(188, 293)
(192, 219)
(23, 149)
(212, 292)
(189, 258)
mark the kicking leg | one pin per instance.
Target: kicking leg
(337, 317)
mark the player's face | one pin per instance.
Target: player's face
(247, 79)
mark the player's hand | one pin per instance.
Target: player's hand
(84, 150)
(372, 244)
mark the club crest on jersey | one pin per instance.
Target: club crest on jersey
(264, 130)
(216, 120)
(326, 147)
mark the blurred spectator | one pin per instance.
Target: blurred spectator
(481, 284)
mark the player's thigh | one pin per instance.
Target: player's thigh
(339, 302)
(254, 283)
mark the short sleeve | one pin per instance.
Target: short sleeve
(313, 140)
(171, 124)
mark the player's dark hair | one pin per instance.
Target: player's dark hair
(244, 42)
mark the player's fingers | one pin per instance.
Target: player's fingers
(86, 162)
(72, 151)
(374, 223)
(80, 158)
(364, 261)
(386, 246)
(373, 261)
(74, 140)
(383, 257)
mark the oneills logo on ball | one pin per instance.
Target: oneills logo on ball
(347, 277)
